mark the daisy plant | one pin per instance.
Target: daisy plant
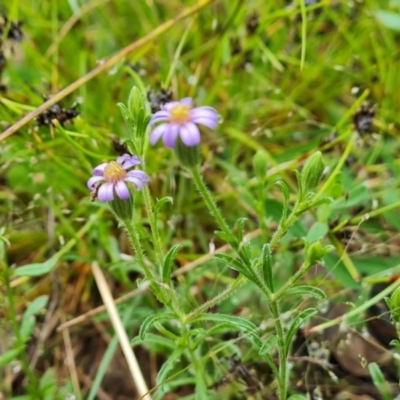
(178, 125)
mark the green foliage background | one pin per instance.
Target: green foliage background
(286, 89)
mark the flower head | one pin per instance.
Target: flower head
(180, 119)
(112, 176)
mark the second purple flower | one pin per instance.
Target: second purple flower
(179, 119)
(111, 178)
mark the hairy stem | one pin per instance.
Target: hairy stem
(159, 252)
(167, 294)
(212, 207)
(283, 371)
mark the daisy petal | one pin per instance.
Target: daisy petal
(159, 116)
(208, 122)
(121, 159)
(169, 106)
(100, 169)
(154, 120)
(171, 135)
(132, 161)
(187, 101)
(136, 181)
(106, 192)
(93, 180)
(139, 175)
(157, 133)
(207, 112)
(122, 190)
(190, 134)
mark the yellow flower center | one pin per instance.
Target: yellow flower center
(114, 172)
(179, 114)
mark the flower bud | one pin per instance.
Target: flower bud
(123, 209)
(312, 172)
(260, 165)
(188, 156)
(315, 252)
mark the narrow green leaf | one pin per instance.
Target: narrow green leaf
(300, 185)
(297, 397)
(169, 364)
(267, 266)
(247, 249)
(236, 265)
(306, 290)
(238, 228)
(9, 356)
(36, 269)
(28, 319)
(150, 320)
(242, 324)
(226, 238)
(286, 197)
(271, 363)
(124, 112)
(168, 261)
(379, 381)
(299, 320)
(268, 345)
(160, 203)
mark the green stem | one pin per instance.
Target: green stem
(241, 280)
(283, 371)
(166, 296)
(283, 228)
(33, 383)
(212, 207)
(371, 214)
(199, 374)
(278, 294)
(159, 252)
(134, 238)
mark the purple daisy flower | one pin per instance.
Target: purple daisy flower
(180, 120)
(115, 174)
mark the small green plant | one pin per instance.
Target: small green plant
(179, 131)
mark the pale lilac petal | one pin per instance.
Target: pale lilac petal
(100, 169)
(171, 135)
(106, 192)
(161, 113)
(206, 108)
(122, 190)
(169, 106)
(190, 134)
(159, 116)
(208, 122)
(93, 180)
(187, 101)
(154, 120)
(139, 175)
(136, 181)
(207, 112)
(132, 161)
(122, 158)
(157, 133)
